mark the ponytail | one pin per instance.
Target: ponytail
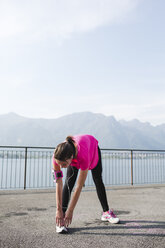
(70, 141)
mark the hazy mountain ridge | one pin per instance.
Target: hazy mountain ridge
(17, 130)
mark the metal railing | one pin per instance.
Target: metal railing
(30, 167)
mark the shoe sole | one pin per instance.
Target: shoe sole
(64, 231)
(115, 222)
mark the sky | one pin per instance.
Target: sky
(58, 57)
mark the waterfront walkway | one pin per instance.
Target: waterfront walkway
(27, 219)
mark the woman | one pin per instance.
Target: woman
(80, 152)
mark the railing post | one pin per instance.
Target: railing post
(25, 169)
(131, 167)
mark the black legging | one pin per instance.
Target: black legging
(70, 180)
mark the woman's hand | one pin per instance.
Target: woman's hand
(59, 218)
(68, 217)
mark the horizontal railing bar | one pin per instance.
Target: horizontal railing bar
(103, 149)
(129, 150)
(30, 147)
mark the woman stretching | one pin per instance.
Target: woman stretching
(80, 152)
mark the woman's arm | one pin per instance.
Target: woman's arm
(59, 212)
(76, 194)
(59, 187)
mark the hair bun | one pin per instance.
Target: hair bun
(69, 139)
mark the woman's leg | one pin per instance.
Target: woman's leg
(70, 180)
(100, 188)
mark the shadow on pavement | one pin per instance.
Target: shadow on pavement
(124, 228)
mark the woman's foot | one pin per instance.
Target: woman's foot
(62, 229)
(110, 216)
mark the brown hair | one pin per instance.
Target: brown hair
(65, 150)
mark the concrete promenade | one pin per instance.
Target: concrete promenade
(27, 219)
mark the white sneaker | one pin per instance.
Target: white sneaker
(61, 229)
(110, 216)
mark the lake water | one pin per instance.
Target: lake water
(148, 168)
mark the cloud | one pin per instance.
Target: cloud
(41, 19)
(10, 83)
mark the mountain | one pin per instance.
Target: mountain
(17, 130)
